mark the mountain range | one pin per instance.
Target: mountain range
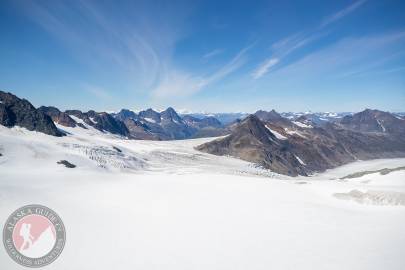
(288, 143)
(303, 147)
(146, 125)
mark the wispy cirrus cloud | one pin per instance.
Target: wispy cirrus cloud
(133, 39)
(138, 46)
(286, 46)
(213, 53)
(97, 91)
(180, 83)
(342, 13)
(349, 57)
(264, 67)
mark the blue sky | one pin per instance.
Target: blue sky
(217, 56)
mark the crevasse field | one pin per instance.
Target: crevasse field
(163, 205)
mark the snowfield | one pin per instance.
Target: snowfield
(163, 205)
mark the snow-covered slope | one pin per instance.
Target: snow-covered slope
(163, 205)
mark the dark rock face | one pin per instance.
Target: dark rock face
(67, 164)
(57, 116)
(125, 114)
(205, 127)
(19, 112)
(6, 116)
(302, 151)
(373, 121)
(150, 114)
(211, 122)
(174, 126)
(202, 123)
(105, 121)
(168, 125)
(139, 130)
(309, 120)
(117, 149)
(224, 118)
(137, 126)
(101, 121)
(274, 118)
(171, 115)
(192, 121)
(252, 141)
(75, 113)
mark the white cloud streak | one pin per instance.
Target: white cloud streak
(181, 84)
(264, 68)
(137, 42)
(286, 46)
(97, 91)
(349, 57)
(342, 13)
(213, 53)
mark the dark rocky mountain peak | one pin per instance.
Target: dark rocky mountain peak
(211, 122)
(309, 120)
(202, 122)
(170, 114)
(256, 128)
(19, 112)
(252, 141)
(125, 114)
(373, 121)
(273, 117)
(102, 121)
(57, 116)
(105, 122)
(306, 150)
(150, 114)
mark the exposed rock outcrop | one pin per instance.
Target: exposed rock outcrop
(373, 121)
(19, 112)
(168, 125)
(294, 150)
(252, 141)
(273, 117)
(57, 116)
(101, 121)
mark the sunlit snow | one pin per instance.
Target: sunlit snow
(164, 205)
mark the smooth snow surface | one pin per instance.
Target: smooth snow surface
(300, 160)
(92, 120)
(164, 205)
(150, 120)
(277, 134)
(302, 124)
(381, 125)
(294, 132)
(77, 119)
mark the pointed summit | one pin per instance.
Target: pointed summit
(20, 112)
(273, 117)
(171, 114)
(373, 121)
(252, 141)
(150, 114)
(125, 114)
(253, 126)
